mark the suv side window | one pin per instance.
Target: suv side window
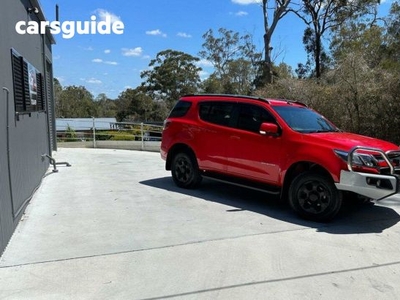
(180, 109)
(220, 113)
(251, 116)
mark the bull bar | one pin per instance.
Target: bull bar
(374, 186)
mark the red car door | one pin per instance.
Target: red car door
(213, 134)
(250, 154)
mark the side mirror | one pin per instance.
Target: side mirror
(269, 129)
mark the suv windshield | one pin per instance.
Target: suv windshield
(304, 120)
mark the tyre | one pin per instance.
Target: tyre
(315, 197)
(185, 171)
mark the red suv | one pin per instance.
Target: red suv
(278, 146)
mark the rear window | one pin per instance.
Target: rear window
(219, 113)
(180, 109)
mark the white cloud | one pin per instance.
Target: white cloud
(102, 13)
(184, 35)
(204, 75)
(132, 52)
(94, 80)
(107, 51)
(246, 2)
(99, 61)
(241, 13)
(156, 32)
(204, 63)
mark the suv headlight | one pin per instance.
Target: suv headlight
(359, 159)
(365, 159)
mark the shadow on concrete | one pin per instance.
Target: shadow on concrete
(354, 217)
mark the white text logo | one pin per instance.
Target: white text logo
(70, 28)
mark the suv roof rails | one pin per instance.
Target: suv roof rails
(249, 97)
(227, 95)
(293, 102)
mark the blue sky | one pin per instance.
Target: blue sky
(112, 63)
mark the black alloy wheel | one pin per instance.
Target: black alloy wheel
(315, 196)
(185, 171)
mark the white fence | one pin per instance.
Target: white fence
(91, 133)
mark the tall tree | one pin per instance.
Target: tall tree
(170, 75)
(377, 40)
(220, 50)
(393, 34)
(280, 9)
(228, 52)
(322, 16)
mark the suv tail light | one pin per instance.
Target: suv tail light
(166, 124)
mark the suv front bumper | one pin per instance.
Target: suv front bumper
(373, 186)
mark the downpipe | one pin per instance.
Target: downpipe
(54, 163)
(7, 92)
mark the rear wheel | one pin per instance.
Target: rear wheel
(315, 196)
(185, 171)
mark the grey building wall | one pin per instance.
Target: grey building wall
(24, 137)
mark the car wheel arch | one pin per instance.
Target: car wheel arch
(300, 167)
(178, 148)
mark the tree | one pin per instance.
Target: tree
(232, 56)
(134, 105)
(283, 71)
(75, 102)
(367, 97)
(393, 37)
(122, 108)
(367, 41)
(240, 74)
(322, 16)
(280, 9)
(159, 112)
(105, 107)
(170, 75)
(57, 92)
(212, 85)
(366, 72)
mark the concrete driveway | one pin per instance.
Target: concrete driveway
(114, 226)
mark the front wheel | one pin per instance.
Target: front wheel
(315, 196)
(185, 171)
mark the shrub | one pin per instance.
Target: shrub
(70, 134)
